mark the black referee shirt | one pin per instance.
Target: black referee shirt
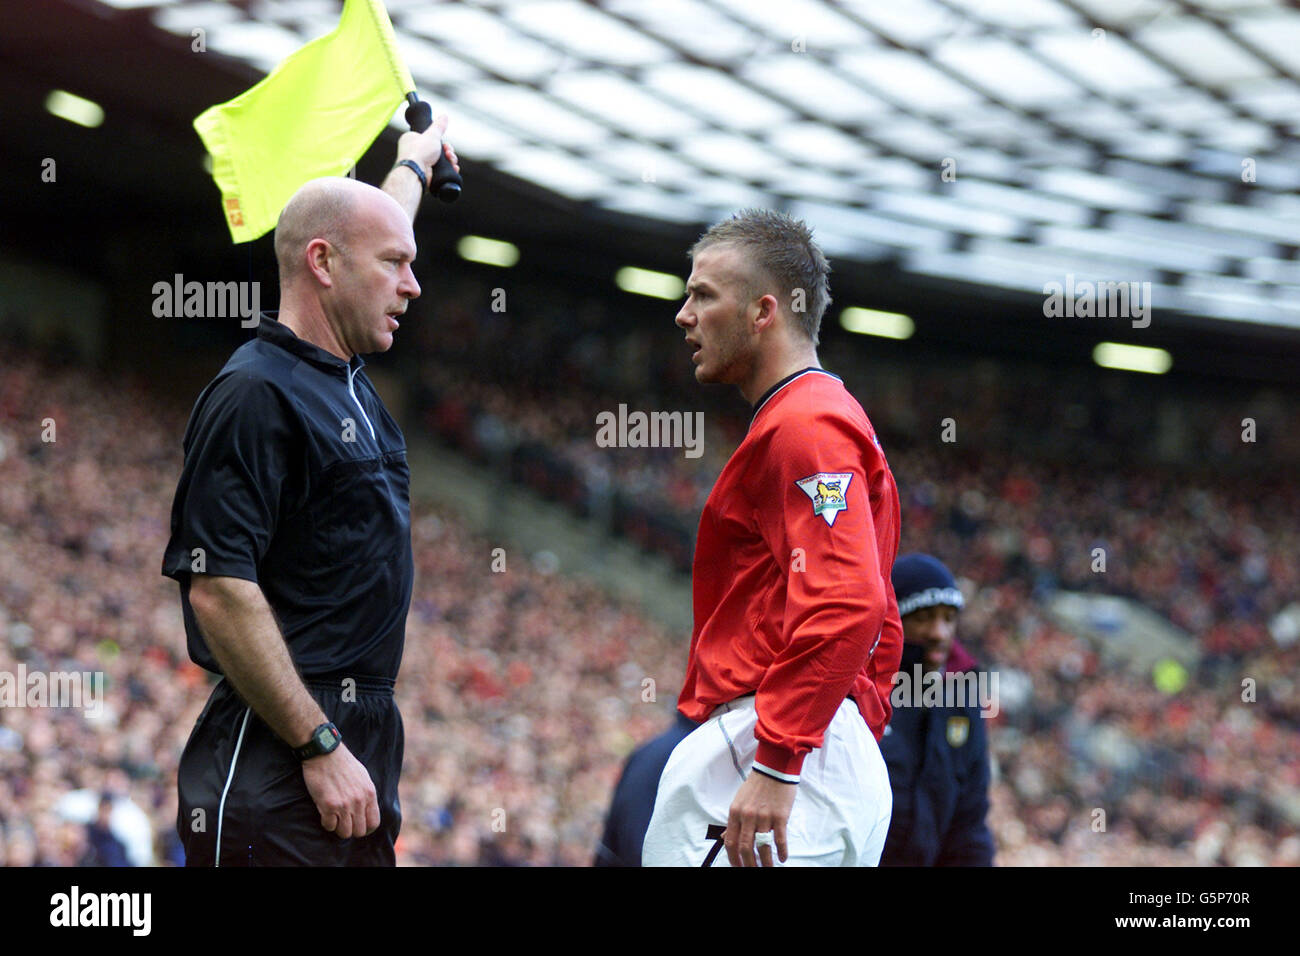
(296, 478)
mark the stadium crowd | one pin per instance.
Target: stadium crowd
(523, 690)
(1155, 483)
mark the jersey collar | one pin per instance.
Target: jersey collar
(276, 332)
(758, 406)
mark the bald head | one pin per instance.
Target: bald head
(332, 208)
(345, 251)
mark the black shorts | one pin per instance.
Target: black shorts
(258, 812)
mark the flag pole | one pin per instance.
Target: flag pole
(446, 183)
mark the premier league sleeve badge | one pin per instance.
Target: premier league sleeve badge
(828, 492)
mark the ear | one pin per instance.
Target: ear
(320, 261)
(768, 311)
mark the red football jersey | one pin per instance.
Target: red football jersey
(792, 594)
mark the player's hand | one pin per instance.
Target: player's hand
(344, 793)
(763, 803)
(425, 147)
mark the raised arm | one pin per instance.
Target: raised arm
(423, 148)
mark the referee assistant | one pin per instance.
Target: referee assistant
(290, 538)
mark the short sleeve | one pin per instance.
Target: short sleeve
(228, 501)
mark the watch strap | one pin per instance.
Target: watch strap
(324, 739)
(415, 168)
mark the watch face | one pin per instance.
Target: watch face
(325, 738)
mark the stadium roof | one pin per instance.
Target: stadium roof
(1003, 143)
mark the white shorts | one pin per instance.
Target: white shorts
(841, 809)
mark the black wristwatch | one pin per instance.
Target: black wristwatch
(325, 739)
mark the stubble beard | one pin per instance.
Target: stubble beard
(734, 359)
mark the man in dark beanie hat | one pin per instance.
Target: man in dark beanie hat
(936, 746)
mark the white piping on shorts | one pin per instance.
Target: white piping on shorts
(351, 372)
(221, 809)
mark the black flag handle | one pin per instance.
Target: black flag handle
(446, 182)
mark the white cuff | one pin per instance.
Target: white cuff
(786, 777)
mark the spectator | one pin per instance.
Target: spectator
(937, 755)
(103, 846)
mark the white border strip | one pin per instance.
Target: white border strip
(221, 810)
(787, 777)
(930, 597)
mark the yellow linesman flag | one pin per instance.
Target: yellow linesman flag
(314, 115)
